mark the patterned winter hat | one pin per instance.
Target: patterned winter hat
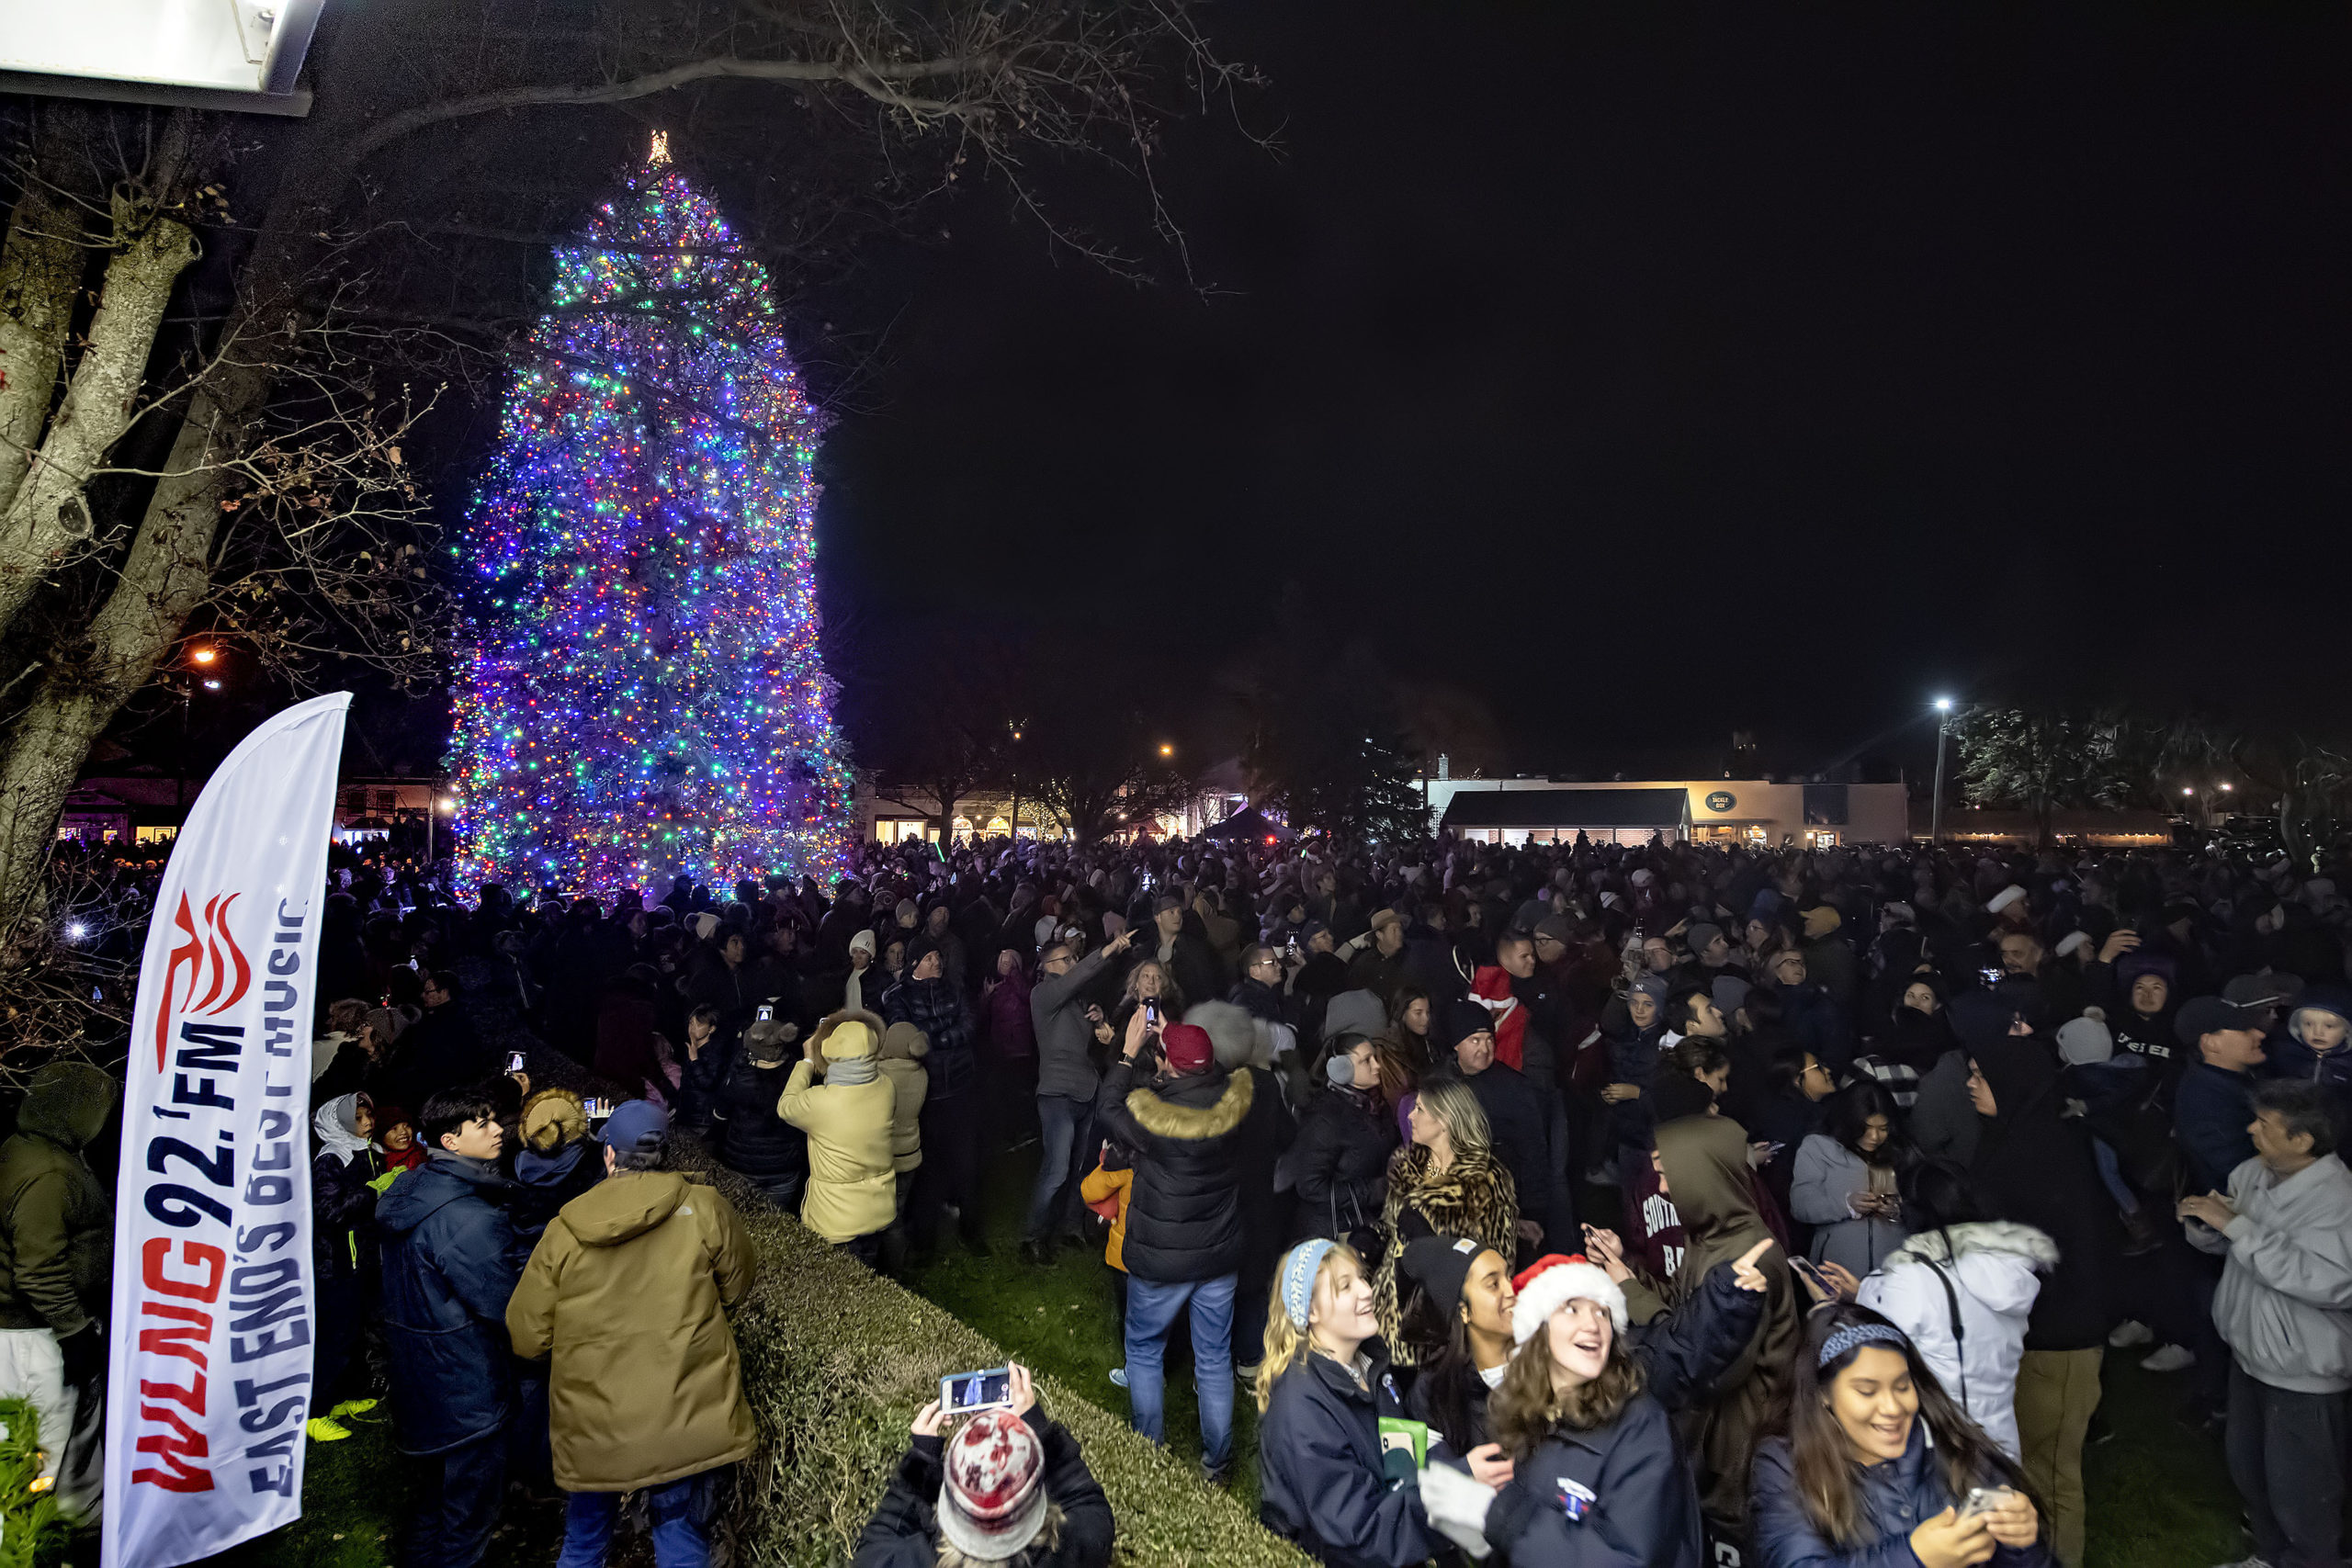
(994, 1502)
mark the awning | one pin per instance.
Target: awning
(1568, 809)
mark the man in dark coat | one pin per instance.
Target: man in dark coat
(1517, 1122)
(1184, 1241)
(951, 1115)
(451, 1260)
(2214, 1102)
(56, 1257)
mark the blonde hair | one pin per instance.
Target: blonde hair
(1449, 1101)
(1286, 1343)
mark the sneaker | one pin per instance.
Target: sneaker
(2128, 1332)
(1118, 1377)
(2168, 1358)
(351, 1408)
(1245, 1372)
(1218, 1477)
(326, 1429)
(1038, 1254)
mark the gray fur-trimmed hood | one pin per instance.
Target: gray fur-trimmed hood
(1980, 1236)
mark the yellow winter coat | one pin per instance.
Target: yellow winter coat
(628, 1287)
(903, 1049)
(852, 1188)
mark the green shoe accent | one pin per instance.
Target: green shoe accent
(326, 1429)
(352, 1407)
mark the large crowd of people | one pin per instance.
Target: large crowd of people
(1555, 1203)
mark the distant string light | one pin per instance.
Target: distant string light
(642, 695)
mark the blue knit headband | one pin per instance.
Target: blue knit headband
(1298, 1277)
(1855, 1335)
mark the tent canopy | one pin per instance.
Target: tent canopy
(1249, 823)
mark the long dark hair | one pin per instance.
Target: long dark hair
(1824, 1461)
(1850, 1110)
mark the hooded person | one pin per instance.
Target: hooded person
(2034, 1167)
(628, 1292)
(848, 1114)
(747, 1131)
(2316, 1048)
(55, 1274)
(903, 1049)
(558, 1161)
(1703, 1163)
(2141, 1013)
(1009, 1487)
(343, 1245)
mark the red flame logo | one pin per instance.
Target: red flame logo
(213, 950)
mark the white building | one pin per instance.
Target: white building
(1717, 811)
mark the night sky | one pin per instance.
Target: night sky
(1653, 371)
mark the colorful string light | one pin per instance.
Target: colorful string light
(641, 694)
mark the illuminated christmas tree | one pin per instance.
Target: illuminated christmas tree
(641, 694)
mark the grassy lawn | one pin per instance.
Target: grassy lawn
(2160, 1495)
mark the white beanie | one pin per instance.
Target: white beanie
(1552, 1283)
(2085, 1040)
(2004, 898)
(2071, 940)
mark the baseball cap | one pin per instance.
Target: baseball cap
(635, 1124)
(2200, 1016)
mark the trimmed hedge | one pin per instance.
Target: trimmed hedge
(837, 1360)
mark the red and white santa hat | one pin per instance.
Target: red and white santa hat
(1554, 1281)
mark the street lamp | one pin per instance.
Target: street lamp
(1167, 750)
(1943, 728)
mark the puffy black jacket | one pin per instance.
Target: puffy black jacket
(752, 1138)
(1639, 1506)
(1339, 1164)
(1894, 1497)
(1321, 1477)
(904, 1531)
(1183, 1213)
(450, 1262)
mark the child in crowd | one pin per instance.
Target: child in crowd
(1106, 1190)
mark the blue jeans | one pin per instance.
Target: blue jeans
(1151, 1313)
(1064, 1127)
(678, 1510)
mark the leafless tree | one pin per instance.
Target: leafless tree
(216, 338)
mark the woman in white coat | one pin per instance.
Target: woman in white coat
(1961, 1289)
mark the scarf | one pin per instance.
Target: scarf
(333, 1124)
(850, 1071)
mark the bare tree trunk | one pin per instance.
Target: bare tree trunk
(48, 514)
(162, 580)
(40, 266)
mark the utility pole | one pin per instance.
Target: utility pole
(1943, 729)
